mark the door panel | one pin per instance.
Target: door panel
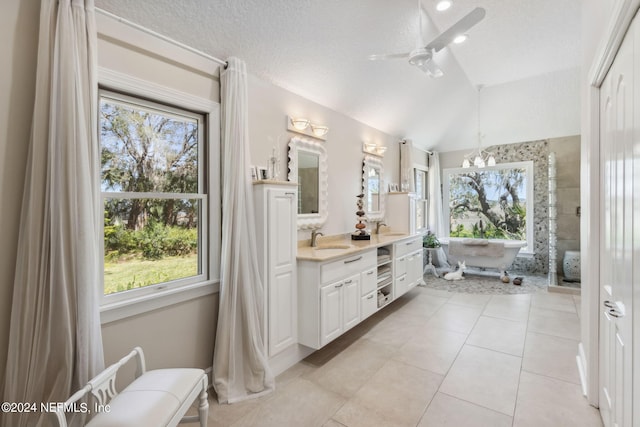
(618, 230)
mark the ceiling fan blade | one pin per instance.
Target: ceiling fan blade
(431, 68)
(388, 56)
(460, 27)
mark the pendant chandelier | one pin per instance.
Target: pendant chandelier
(480, 158)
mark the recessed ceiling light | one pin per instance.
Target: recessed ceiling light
(443, 5)
(460, 39)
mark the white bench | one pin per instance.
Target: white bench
(155, 398)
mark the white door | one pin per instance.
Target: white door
(331, 312)
(283, 300)
(351, 301)
(617, 276)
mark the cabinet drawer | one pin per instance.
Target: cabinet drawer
(401, 266)
(348, 266)
(369, 305)
(406, 246)
(369, 283)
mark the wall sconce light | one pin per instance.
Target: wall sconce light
(373, 148)
(305, 127)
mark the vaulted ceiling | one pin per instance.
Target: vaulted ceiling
(319, 49)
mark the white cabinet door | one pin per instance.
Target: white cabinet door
(331, 313)
(401, 266)
(351, 301)
(282, 290)
(401, 285)
(414, 268)
(283, 320)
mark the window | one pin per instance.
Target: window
(493, 202)
(420, 178)
(154, 194)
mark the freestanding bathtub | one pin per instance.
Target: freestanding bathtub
(480, 259)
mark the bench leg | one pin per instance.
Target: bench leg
(203, 409)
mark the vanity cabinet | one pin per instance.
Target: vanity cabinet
(330, 296)
(276, 216)
(407, 265)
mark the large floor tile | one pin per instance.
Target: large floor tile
(456, 318)
(544, 401)
(551, 356)
(446, 410)
(226, 415)
(299, 403)
(554, 301)
(397, 395)
(423, 306)
(433, 349)
(510, 307)
(473, 300)
(484, 377)
(501, 335)
(554, 322)
(349, 370)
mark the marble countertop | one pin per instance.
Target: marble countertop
(337, 246)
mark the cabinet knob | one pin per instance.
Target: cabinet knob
(348, 281)
(353, 260)
(340, 285)
(370, 272)
(370, 296)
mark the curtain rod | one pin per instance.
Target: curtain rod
(160, 36)
(402, 141)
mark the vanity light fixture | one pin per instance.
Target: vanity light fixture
(305, 127)
(443, 5)
(373, 148)
(319, 130)
(299, 123)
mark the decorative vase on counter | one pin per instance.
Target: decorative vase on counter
(361, 232)
(571, 266)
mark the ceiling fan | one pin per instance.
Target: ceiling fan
(422, 55)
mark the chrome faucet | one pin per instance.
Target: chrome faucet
(378, 225)
(314, 237)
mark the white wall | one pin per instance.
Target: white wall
(541, 107)
(19, 35)
(268, 107)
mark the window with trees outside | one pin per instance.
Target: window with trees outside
(420, 178)
(154, 194)
(493, 202)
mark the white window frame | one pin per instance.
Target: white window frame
(136, 301)
(424, 201)
(527, 166)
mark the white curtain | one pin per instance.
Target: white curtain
(240, 367)
(55, 343)
(436, 213)
(407, 180)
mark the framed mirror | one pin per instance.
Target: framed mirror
(372, 188)
(308, 167)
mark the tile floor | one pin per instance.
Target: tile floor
(434, 358)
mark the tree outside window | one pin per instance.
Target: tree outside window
(152, 189)
(491, 203)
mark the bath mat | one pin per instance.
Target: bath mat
(488, 283)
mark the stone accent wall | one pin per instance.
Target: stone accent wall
(538, 152)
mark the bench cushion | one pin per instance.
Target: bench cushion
(151, 400)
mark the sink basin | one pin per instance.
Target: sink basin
(328, 247)
(330, 250)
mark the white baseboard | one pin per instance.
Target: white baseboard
(289, 357)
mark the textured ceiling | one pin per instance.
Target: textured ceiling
(318, 49)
